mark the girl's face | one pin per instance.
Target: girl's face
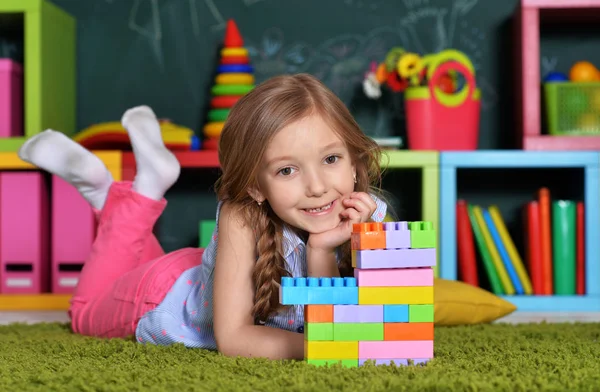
(305, 174)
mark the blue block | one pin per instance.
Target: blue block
(235, 68)
(395, 313)
(318, 291)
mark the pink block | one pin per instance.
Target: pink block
(395, 258)
(73, 231)
(357, 313)
(394, 277)
(397, 235)
(387, 349)
(397, 361)
(11, 98)
(24, 235)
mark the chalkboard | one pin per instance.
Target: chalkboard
(164, 53)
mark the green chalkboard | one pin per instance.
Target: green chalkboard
(164, 52)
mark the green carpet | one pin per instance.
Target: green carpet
(48, 357)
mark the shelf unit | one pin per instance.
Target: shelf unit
(47, 301)
(528, 17)
(452, 162)
(49, 71)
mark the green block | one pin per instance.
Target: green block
(422, 235)
(420, 313)
(318, 331)
(324, 362)
(357, 331)
(206, 229)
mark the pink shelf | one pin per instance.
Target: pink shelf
(528, 82)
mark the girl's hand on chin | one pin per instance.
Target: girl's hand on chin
(360, 206)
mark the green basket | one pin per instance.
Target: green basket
(572, 109)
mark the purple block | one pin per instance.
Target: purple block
(397, 235)
(397, 362)
(393, 258)
(357, 313)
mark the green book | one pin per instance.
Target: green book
(564, 251)
(495, 283)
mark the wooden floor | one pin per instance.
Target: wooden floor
(515, 318)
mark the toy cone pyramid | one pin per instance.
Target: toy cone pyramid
(234, 79)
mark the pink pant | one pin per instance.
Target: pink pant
(127, 273)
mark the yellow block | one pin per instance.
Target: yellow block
(213, 129)
(234, 78)
(328, 350)
(234, 52)
(34, 302)
(395, 295)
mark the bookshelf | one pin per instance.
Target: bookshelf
(47, 36)
(569, 174)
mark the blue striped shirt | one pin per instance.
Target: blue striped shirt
(186, 313)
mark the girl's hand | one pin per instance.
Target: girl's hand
(360, 206)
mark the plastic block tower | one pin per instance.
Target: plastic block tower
(384, 313)
(235, 78)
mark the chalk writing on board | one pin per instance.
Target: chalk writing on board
(271, 56)
(154, 32)
(342, 61)
(459, 8)
(248, 3)
(549, 64)
(414, 3)
(362, 4)
(214, 11)
(489, 95)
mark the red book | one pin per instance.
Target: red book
(467, 261)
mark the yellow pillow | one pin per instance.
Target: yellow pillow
(459, 303)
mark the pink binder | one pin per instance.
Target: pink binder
(24, 234)
(73, 231)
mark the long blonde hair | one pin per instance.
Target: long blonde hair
(250, 126)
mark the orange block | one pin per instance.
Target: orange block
(318, 313)
(408, 331)
(369, 235)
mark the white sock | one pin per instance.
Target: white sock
(157, 168)
(59, 155)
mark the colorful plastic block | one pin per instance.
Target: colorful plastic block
(318, 313)
(24, 235)
(420, 313)
(369, 235)
(395, 349)
(357, 331)
(318, 291)
(422, 235)
(357, 313)
(397, 235)
(395, 295)
(408, 331)
(393, 258)
(330, 350)
(395, 313)
(397, 362)
(394, 277)
(318, 331)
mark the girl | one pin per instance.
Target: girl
(297, 173)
